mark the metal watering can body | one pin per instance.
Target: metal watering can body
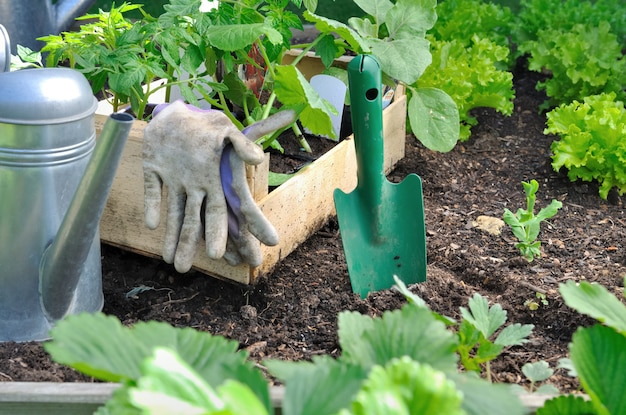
(26, 20)
(54, 181)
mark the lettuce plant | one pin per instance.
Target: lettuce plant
(591, 145)
(462, 20)
(469, 73)
(563, 15)
(586, 60)
(598, 353)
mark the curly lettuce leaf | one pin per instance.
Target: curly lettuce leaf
(471, 77)
(592, 145)
(587, 60)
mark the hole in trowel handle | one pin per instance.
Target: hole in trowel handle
(371, 94)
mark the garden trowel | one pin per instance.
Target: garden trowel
(381, 223)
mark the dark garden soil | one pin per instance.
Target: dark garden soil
(292, 313)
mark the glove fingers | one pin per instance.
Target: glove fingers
(190, 233)
(216, 225)
(247, 150)
(250, 214)
(269, 125)
(248, 248)
(174, 221)
(232, 255)
(152, 198)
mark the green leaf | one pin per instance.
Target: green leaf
(376, 8)
(434, 119)
(566, 363)
(293, 90)
(484, 398)
(411, 19)
(486, 319)
(276, 179)
(595, 301)
(411, 331)
(167, 381)
(537, 371)
(336, 381)
(487, 351)
(405, 386)
(514, 334)
(330, 26)
(77, 342)
(567, 405)
(599, 356)
(402, 59)
(234, 37)
(408, 295)
(327, 50)
(547, 389)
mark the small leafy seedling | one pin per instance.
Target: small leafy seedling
(533, 303)
(476, 331)
(526, 225)
(537, 372)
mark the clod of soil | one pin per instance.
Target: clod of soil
(292, 314)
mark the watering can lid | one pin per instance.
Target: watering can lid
(45, 96)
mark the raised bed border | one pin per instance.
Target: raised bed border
(51, 398)
(295, 214)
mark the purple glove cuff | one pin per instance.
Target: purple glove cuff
(232, 200)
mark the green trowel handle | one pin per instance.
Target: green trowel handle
(365, 82)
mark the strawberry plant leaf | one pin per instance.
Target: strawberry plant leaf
(405, 386)
(410, 331)
(486, 319)
(595, 301)
(336, 380)
(566, 405)
(537, 371)
(484, 398)
(599, 358)
(514, 334)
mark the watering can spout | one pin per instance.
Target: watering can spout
(63, 261)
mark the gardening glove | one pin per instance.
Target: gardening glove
(183, 149)
(246, 221)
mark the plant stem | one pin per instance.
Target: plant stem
(305, 144)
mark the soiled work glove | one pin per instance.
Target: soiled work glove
(183, 148)
(246, 221)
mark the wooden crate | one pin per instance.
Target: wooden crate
(297, 209)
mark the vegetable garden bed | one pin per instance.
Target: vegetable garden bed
(297, 208)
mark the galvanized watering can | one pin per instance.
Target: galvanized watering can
(54, 182)
(26, 20)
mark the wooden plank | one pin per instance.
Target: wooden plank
(49, 398)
